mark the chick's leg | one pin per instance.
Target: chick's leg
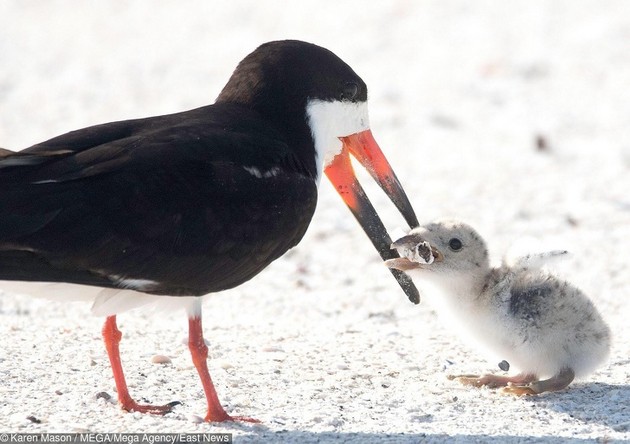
(493, 381)
(555, 383)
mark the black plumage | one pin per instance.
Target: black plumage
(166, 199)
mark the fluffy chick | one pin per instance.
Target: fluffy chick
(540, 324)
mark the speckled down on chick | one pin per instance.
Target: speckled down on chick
(539, 323)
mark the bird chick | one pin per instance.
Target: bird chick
(540, 324)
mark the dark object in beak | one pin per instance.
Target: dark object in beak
(414, 250)
(365, 149)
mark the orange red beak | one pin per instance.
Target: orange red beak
(340, 172)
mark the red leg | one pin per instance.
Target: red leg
(199, 353)
(112, 336)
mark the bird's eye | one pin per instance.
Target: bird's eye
(455, 244)
(349, 91)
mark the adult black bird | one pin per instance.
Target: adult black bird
(196, 202)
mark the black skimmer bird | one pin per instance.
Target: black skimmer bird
(196, 202)
(543, 325)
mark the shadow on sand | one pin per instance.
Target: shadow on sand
(592, 403)
(295, 436)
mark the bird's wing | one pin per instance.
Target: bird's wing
(530, 254)
(167, 205)
(529, 301)
(535, 261)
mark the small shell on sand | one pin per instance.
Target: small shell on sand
(160, 359)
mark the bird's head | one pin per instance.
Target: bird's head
(443, 250)
(320, 105)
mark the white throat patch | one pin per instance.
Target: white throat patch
(331, 120)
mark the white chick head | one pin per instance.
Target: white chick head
(457, 252)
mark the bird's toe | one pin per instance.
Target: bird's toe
(519, 390)
(223, 417)
(245, 419)
(152, 409)
(473, 380)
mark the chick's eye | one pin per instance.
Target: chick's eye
(455, 244)
(349, 91)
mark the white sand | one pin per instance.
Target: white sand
(323, 346)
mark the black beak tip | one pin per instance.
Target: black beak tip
(407, 285)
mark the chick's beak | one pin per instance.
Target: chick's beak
(340, 172)
(409, 243)
(402, 264)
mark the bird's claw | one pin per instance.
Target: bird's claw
(491, 380)
(245, 419)
(519, 390)
(473, 380)
(223, 417)
(152, 409)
